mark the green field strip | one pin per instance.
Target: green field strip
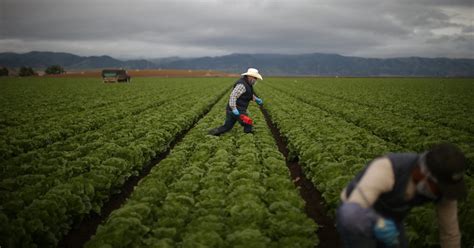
(20, 140)
(93, 98)
(227, 191)
(404, 110)
(27, 179)
(93, 139)
(332, 150)
(49, 216)
(23, 140)
(412, 134)
(48, 96)
(320, 139)
(38, 118)
(446, 102)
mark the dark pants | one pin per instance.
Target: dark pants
(230, 120)
(353, 240)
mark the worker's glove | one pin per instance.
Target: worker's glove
(386, 232)
(258, 101)
(236, 112)
(247, 120)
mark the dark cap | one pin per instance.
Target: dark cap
(447, 163)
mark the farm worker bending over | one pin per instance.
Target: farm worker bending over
(239, 100)
(377, 200)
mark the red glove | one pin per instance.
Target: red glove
(246, 119)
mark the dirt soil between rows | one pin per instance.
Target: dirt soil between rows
(314, 207)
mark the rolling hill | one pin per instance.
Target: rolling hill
(314, 64)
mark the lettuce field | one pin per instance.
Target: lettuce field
(136, 159)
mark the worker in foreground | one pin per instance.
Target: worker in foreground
(236, 110)
(377, 200)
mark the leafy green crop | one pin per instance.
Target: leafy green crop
(227, 191)
(336, 126)
(45, 190)
(67, 145)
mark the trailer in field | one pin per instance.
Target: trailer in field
(115, 75)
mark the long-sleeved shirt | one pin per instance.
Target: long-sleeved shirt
(379, 178)
(236, 93)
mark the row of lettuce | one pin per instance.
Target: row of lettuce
(62, 159)
(47, 190)
(229, 191)
(335, 129)
(447, 102)
(35, 115)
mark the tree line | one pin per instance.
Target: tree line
(26, 71)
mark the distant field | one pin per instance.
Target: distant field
(69, 145)
(151, 73)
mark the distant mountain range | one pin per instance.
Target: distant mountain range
(317, 64)
(41, 60)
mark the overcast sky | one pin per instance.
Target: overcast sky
(190, 28)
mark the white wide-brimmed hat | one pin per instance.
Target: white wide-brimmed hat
(253, 73)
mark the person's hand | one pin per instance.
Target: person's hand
(236, 112)
(258, 101)
(386, 231)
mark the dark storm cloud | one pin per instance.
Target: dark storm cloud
(210, 27)
(462, 3)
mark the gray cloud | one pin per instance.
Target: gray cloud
(461, 3)
(146, 28)
(468, 29)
